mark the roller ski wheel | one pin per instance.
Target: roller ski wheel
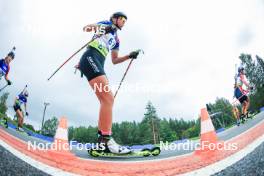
(94, 153)
(155, 151)
(249, 116)
(146, 152)
(104, 153)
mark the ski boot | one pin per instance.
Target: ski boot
(108, 147)
(112, 146)
(238, 122)
(20, 129)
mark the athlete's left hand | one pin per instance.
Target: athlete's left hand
(9, 82)
(109, 28)
(77, 66)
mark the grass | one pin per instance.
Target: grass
(195, 138)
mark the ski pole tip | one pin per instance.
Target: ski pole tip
(142, 51)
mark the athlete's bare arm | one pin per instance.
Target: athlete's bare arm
(116, 59)
(242, 77)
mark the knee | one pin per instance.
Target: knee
(107, 99)
(247, 102)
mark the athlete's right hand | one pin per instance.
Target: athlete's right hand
(134, 54)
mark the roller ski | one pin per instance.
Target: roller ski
(22, 131)
(133, 153)
(249, 116)
(109, 148)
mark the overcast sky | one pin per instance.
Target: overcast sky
(191, 48)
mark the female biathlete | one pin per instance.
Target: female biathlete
(92, 66)
(4, 66)
(241, 92)
(19, 100)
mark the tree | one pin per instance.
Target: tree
(255, 74)
(70, 133)
(150, 124)
(50, 127)
(29, 126)
(3, 107)
(221, 113)
(192, 131)
(126, 132)
(166, 133)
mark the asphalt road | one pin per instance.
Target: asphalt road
(251, 165)
(13, 166)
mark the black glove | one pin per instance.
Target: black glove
(133, 54)
(26, 113)
(109, 29)
(9, 82)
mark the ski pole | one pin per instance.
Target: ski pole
(235, 77)
(247, 91)
(14, 48)
(125, 74)
(24, 89)
(240, 97)
(71, 58)
(123, 77)
(3, 87)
